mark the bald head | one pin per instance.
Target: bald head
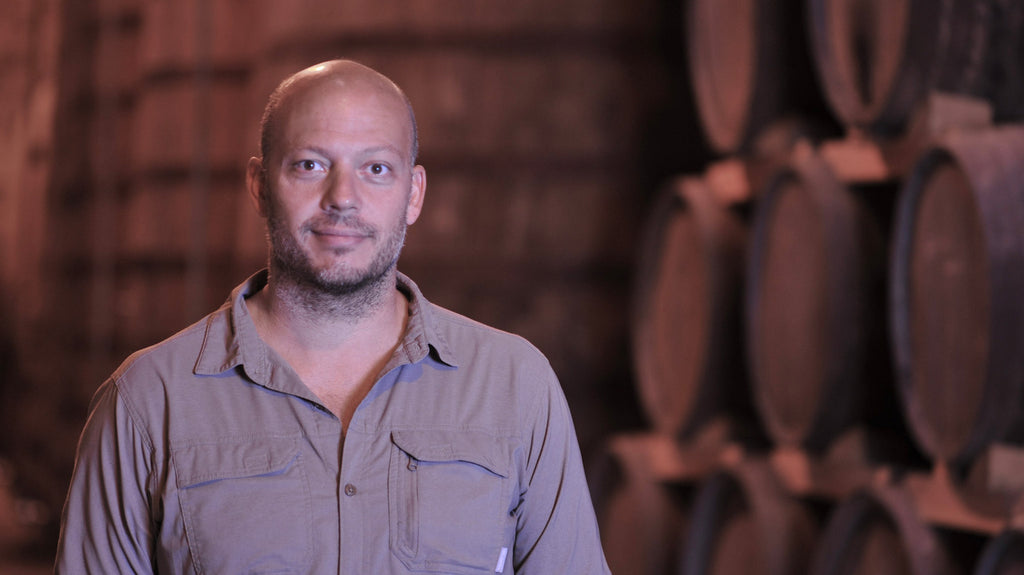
(351, 75)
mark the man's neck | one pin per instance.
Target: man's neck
(293, 315)
(336, 353)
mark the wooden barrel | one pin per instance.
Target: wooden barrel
(1003, 555)
(814, 315)
(877, 531)
(643, 518)
(749, 66)
(686, 332)
(744, 523)
(957, 279)
(878, 59)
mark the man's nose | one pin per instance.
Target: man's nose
(341, 192)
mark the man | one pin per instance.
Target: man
(328, 419)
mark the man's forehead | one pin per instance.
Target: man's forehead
(337, 107)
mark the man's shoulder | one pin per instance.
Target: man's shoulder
(470, 338)
(173, 357)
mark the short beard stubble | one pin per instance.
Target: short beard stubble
(339, 290)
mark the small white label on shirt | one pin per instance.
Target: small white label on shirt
(500, 568)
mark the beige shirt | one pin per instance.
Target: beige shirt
(207, 454)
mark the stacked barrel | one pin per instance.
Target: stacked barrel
(828, 328)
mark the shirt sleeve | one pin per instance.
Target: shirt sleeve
(557, 529)
(106, 526)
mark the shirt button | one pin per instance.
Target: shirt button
(350, 489)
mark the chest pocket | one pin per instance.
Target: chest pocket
(246, 506)
(449, 496)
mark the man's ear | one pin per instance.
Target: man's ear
(254, 182)
(417, 192)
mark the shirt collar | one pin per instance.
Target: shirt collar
(423, 333)
(231, 339)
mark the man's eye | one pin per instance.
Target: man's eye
(379, 169)
(308, 165)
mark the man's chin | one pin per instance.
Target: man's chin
(348, 282)
(330, 277)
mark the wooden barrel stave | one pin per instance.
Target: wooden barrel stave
(749, 67)
(878, 59)
(813, 314)
(743, 522)
(644, 519)
(957, 275)
(877, 531)
(686, 332)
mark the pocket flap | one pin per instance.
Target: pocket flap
(206, 462)
(433, 445)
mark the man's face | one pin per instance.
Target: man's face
(339, 188)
